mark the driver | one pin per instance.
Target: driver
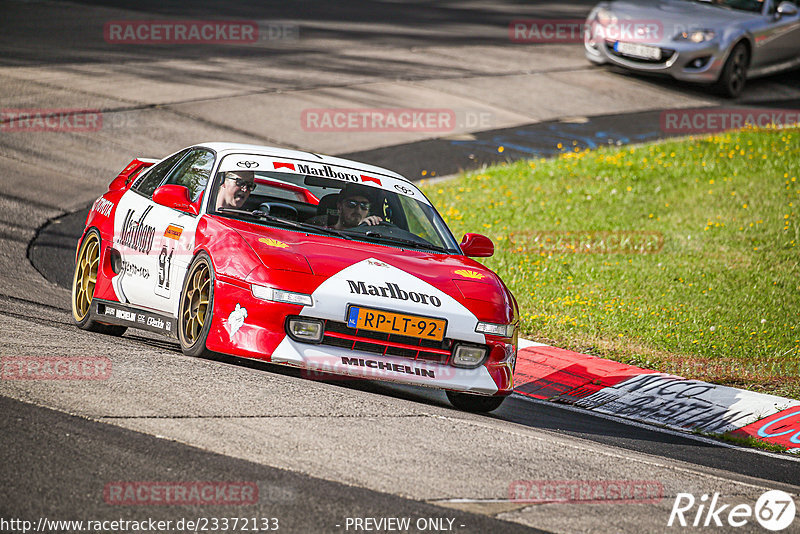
(235, 189)
(354, 204)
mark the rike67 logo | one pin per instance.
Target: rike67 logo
(774, 510)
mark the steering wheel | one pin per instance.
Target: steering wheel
(270, 207)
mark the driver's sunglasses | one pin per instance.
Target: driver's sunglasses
(242, 184)
(353, 204)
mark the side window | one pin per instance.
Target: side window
(193, 172)
(419, 222)
(148, 183)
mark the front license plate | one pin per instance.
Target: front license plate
(396, 323)
(637, 50)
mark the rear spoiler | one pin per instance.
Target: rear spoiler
(126, 177)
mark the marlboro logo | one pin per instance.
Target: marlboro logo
(136, 234)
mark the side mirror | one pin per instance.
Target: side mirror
(175, 197)
(787, 9)
(477, 246)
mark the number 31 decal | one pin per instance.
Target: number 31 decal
(168, 243)
(164, 267)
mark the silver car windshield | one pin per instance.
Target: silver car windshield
(337, 208)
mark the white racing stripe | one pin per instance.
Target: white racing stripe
(370, 366)
(366, 283)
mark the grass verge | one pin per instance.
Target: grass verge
(745, 441)
(680, 256)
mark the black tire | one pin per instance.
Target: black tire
(196, 307)
(734, 74)
(84, 280)
(474, 403)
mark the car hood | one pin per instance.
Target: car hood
(678, 15)
(361, 265)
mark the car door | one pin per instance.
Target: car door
(781, 42)
(175, 235)
(134, 234)
(154, 240)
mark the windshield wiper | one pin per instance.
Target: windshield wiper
(402, 241)
(280, 220)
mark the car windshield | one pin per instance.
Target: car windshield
(754, 6)
(316, 204)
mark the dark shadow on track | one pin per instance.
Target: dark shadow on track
(423, 23)
(751, 94)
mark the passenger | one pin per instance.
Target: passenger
(354, 205)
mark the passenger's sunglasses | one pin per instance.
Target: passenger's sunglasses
(353, 204)
(244, 184)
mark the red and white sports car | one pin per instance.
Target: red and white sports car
(258, 252)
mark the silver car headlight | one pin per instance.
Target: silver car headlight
(696, 36)
(605, 17)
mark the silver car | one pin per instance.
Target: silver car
(719, 42)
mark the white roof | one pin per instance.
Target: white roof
(223, 149)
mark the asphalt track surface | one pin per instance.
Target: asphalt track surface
(320, 451)
(53, 248)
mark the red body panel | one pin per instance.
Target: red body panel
(262, 332)
(325, 256)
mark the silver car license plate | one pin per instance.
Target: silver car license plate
(637, 50)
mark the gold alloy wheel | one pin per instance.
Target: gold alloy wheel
(85, 277)
(195, 303)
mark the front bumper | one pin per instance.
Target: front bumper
(691, 62)
(243, 325)
(341, 361)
